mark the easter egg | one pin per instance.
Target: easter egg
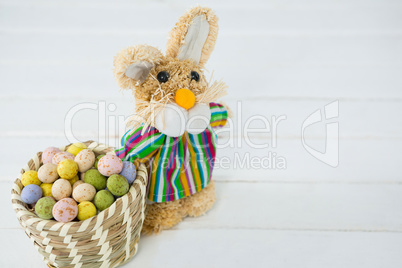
(86, 210)
(30, 177)
(110, 164)
(67, 169)
(85, 160)
(117, 185)
(46, 189)
(61, 189)
(103, 199)
(31, 193)
(48, 173)
(48, 154)
(97, 160)
(77, 183)
(44, 208)
(57, 158)
(75, 148)
(84, 192)
(65, 210)
(129, 171)
(73, 180)
(96, 179)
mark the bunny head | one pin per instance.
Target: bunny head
(171, 89)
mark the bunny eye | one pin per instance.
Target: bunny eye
(195, 76)
(163, 76)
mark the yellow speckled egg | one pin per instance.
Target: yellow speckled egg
(73, 180)
(48, 173)
(84, 192)
(75, 148)
(30, 177)
(85, 160)
(67, 169)
(46, 189)
(61, 189)
(86, 210)
(77, 183)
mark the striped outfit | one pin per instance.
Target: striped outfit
(180, 166)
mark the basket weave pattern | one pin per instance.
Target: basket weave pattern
(106, 240)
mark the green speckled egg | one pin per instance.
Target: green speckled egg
(44, 207)
(96, 179)
(117, 185)
(103, 199)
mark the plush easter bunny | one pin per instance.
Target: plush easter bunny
(176, 115)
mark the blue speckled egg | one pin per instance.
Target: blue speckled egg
(129, 171)
(31, 193)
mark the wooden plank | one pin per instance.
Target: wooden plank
(105, 17)
(275, 50)
(240, 248)
(278, 75)
(360, 161)
(52, 115)
(86, 80)
(288, 206)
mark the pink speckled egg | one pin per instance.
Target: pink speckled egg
(57, 158)
(110, 164)
(85, 160)
(65, 210)
(48, 154)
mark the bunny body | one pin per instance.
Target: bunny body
(176, 117)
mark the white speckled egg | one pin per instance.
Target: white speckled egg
(48, 173)
(84, 192)
(48, 154)
(110, 164)
(77, 183)
(85, 160)
(61, 189)
(57, 158)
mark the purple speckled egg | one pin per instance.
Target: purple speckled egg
(48, 154)
(31, 193)
(65, 210)
(109, 165)
(129, 171)
(57, 158)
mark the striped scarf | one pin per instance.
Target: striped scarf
(179, 166)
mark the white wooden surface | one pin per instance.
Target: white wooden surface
(279, 58)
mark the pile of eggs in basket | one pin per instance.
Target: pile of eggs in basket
(76, 184)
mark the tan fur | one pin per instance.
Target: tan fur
(151, 96)
(162, 216)
(179, 32)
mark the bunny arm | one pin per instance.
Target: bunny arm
(219, 115)
(137, 146)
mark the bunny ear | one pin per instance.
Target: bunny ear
(194, 36)
(133, 64)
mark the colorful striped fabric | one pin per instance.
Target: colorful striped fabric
(179, 166)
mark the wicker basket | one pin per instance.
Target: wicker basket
(106, 240)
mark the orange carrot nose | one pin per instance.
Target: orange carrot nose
(185, 98)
